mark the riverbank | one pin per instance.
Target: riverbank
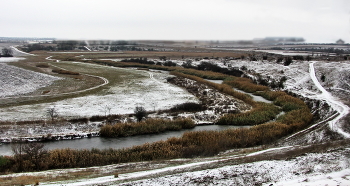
(215, 103)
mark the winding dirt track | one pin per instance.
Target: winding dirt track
(340, 107)
(67, 93)
(333, 121)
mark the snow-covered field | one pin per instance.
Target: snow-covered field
(286, 52)
(331, 168)
(16, 81)
(152, 92)
(327, 168)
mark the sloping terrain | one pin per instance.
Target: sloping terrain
(16, 81)
(327, 99)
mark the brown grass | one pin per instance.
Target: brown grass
(261, 113)
(192, 144)
(61, 71)
(149, 126)
(245, 84)
(42, 65)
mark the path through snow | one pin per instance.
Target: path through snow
(336, 104)
(19, 51)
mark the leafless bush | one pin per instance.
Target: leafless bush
(42, 65)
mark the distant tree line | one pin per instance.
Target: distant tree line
(122, 43)
(139, 60)
(125, 48)
(67, 45)
(326, 50)
(206, 66)
(33, 47)
(319, 49)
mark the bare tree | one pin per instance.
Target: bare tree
(36, 153)
(106, 108)
(29, 156)
(52, 113)
(17, 149)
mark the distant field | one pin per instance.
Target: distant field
(149, 54)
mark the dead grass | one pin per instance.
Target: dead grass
(23, 180)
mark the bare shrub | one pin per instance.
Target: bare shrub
(61, 71)
(140, 113)
(52, 113)
(42, 65)
(187, 107)
(149, 126)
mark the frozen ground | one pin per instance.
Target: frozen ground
(312, 169)
(16, 81)
(151, 92)
(303, 78)
(331, 167)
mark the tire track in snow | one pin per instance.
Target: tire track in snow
(341, 109)
(19, 51)
(151, 76)
(337, 105)
(67, 93)
(169, 170)
(100, 77)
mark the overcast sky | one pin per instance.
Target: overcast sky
(316, 21)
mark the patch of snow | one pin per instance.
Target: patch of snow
(19, 51)
(16, 81)
(152, 92)
(331, 168)
(10, 59)
(336, 104)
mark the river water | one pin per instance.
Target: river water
(255, 98)
(117, 143)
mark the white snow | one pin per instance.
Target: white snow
(286, 52)
(19, 51)
(339, 178)
(152, 92)
(10, 59)
(332, 168)
(336, 104)
(17, 81)
(87, 48)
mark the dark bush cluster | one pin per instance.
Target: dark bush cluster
(42, 65)
(169, 64)
(206, 66)
(61, 71)
(149, 126)
(187, 107)
(139, 60)
(125, 48)
(33, 47)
